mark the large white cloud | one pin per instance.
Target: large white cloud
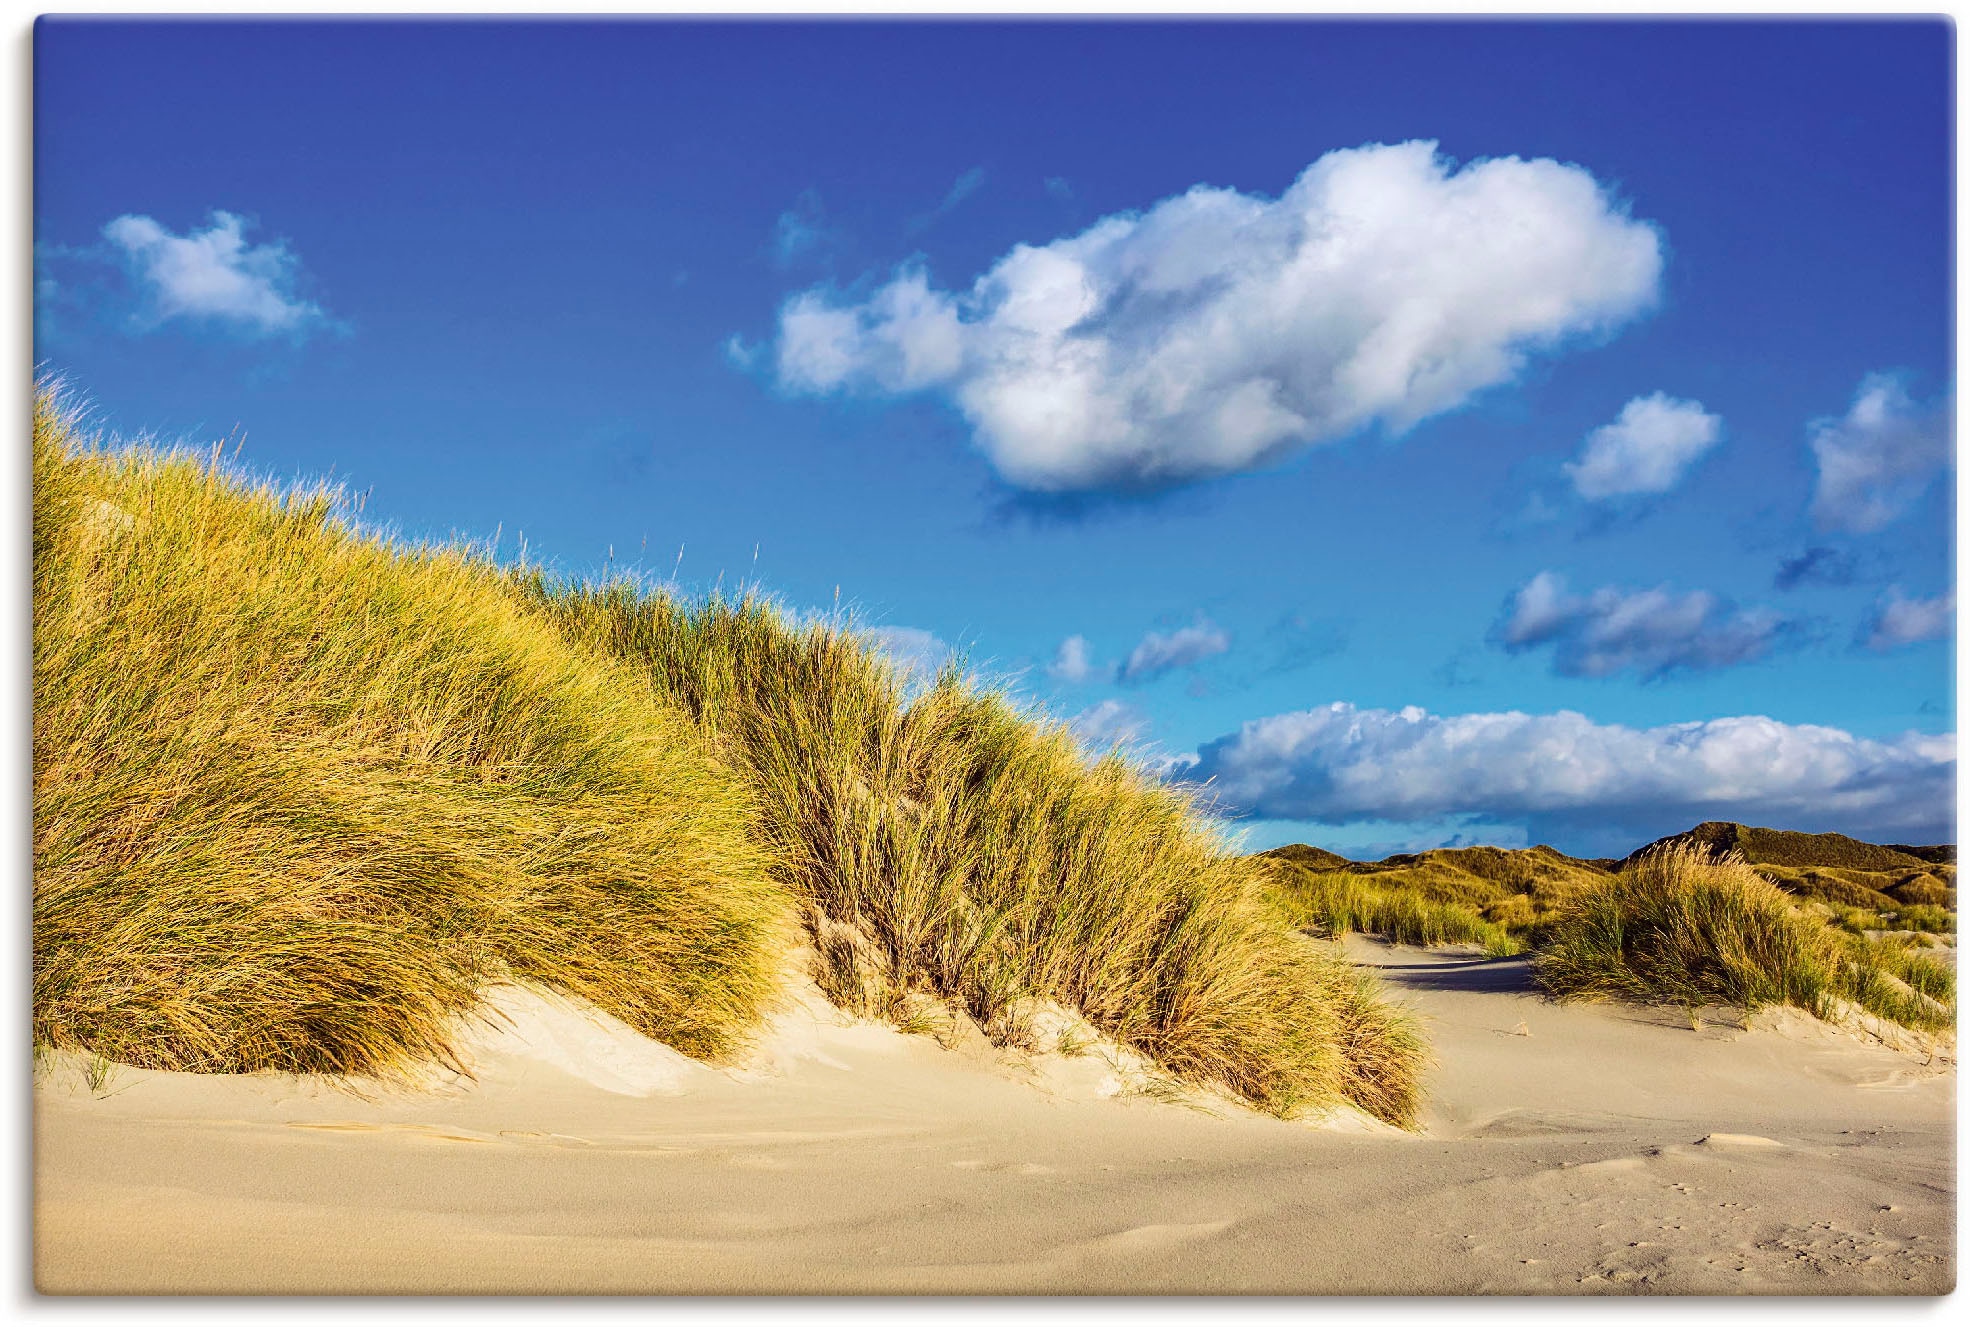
(1217, 330)
(1339, 764)
(1649, 632)
(1899, 620)
(1646, 449)
(1875, 461)
(214, 275)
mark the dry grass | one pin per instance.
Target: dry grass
(299, 795)
(1680, 926)
(947, 844)
(1335, 903)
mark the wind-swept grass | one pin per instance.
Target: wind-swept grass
(1680, 926)
(300, 795)
(949, 845)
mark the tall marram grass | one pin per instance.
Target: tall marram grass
(300, 796)
(1681, 926)
(947, 844)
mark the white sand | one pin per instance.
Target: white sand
(1568, 1150)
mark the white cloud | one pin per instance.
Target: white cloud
(1646, 449)
(1218, 330)
(1109, 724)
(1339, 764)
(1899, 620)
(1876, 461)
(1074, 662)
(917, 654)
(214, 274)
(1652, 632)
(1159, 652)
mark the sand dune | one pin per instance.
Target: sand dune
(1566, 1150)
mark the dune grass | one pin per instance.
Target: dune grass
(1681, 926)
(300, 795)
(1336, 903)
(303, 793)
(947, 845)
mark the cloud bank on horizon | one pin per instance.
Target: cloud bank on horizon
(1216, 331)
(1340, 765)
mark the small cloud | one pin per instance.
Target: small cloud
(1875, 461)
(1651, 632)
(1109, 724)
(1816, 566)
(1899, 620)
(1160, 652)
(739, 354)
(962, 188)
(800, 230)
(917, 654)
(1647, 449)
(1216, 331)
(213, 276)
(1074, 663)
(1060, 188)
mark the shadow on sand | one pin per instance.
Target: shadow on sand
(1491, 976)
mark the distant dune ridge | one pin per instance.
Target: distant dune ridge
(303, 793)
(1721, 913)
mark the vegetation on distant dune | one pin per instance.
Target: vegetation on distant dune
(1336, 903)
(948, 845)
(302, 793)
(1681, 926)
(299, 795)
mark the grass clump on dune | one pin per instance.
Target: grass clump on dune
(948, 846)
(1337, 903)
(1681, 926)
(301, 795)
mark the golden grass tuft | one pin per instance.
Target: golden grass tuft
(1681, 926)
(300, 795)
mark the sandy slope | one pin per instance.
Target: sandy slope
(1596, 1150)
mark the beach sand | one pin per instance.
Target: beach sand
(1565, 1150)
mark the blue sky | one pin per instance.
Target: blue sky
(1424, 432)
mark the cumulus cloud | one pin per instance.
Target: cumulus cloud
(1876, 460)
(1218, 330)
(1341, 765)
(1646, 449)
(1074, 662)
(1159, 652)
(1899, 620)
(1110, 723)
(214, 275)
(1651, 632)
